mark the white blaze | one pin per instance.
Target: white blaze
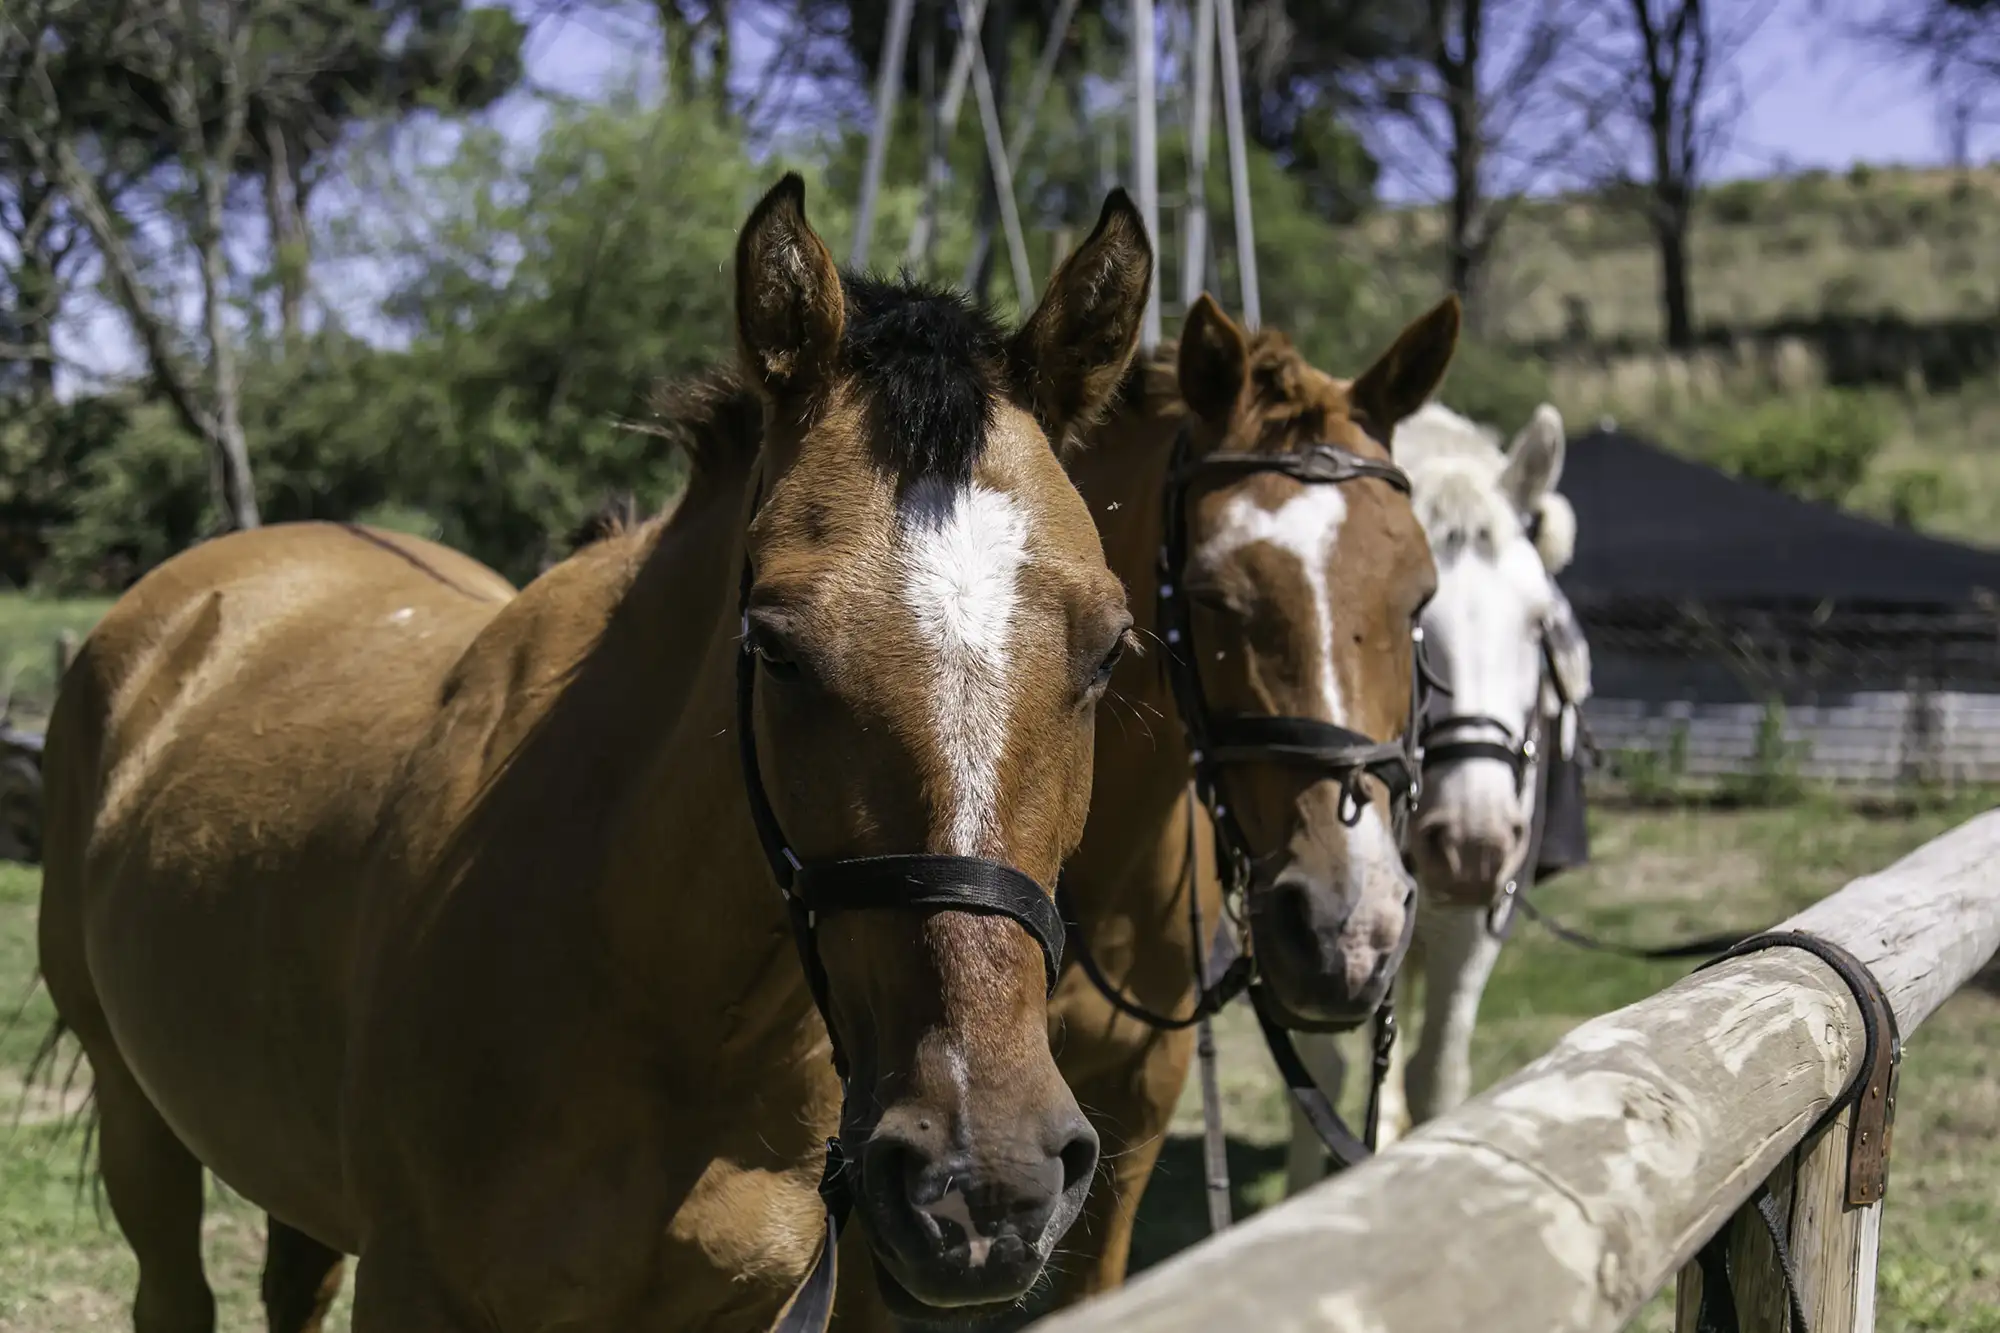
(961, 577)
(1305, 528)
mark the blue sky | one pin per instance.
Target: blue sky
(1814, 99)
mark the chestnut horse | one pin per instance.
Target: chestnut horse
(1304, 594)
(1509, 646)
(440, 921)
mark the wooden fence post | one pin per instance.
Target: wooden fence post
(1833, 1246)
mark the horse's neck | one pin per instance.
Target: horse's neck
(693, 920)
(1135, 831)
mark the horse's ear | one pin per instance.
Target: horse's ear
(1406, 375)
(789, 312)
(1534, 460)
(1070, 357)
(1214, 363)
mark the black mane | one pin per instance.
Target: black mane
(928, 360)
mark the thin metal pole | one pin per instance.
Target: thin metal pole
(947, 116)
(1239, 163)
(1038, 88)
(1194, 269)
(1145, 153)
(918, 254)
(1024, 124)
(961, 61)
(1003, 177)
(886, 84)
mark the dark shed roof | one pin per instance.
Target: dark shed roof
(1651, 525)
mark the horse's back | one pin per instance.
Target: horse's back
(218, 758)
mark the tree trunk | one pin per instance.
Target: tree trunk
(721, 58)
(1677, 311)
(677, 46)
(229, 451)
(285, 211)
(1468, 243)
(36, 287)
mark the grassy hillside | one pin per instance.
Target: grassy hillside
(1881, 286)
(1923, 244)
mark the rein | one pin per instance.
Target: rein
(1216, 741)
(899, 882)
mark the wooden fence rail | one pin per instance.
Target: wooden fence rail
(1568, 1194)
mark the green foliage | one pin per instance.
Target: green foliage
(1773, 778)
(1817, 447)
(1915, 494)
(1489, 383)
(1736, 203)
(1654, 777)
(139, 500)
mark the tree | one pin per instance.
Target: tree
(354, 60)
(1477, 109)
(1955, 44)
(1662, 94)
(698, 51)
(205, 63)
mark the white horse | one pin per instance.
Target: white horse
(1496, 631)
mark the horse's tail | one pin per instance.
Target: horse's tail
(41, 1075)
(70, 783)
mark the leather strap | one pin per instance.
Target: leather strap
(810, 1309)
(1872, 1094)
(945, 883)
(1346, 1148)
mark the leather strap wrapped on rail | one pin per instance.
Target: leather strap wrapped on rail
(1872, 1094)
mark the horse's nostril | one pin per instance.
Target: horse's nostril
(1079, 1156)
(1516, 831)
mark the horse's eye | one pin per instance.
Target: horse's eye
(773, 653)
(1100, 680)
(776, 663)
(1109, 664)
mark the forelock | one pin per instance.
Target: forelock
(926, 362)
(1461, 506)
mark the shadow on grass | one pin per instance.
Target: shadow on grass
(1174, 1213)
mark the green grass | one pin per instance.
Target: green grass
(29, 626)
(1661, 875)
(1657, 874)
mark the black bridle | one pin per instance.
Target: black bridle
(1445, 741)
(913, 881)
(1218, 741)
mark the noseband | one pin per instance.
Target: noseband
(922, 881)
(1519, 752)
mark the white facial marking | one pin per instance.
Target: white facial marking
(1304, 527)
(961, 577)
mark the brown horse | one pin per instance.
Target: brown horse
(1304, 597)
(438, 921)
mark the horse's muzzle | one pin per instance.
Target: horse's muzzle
(954, 1229)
